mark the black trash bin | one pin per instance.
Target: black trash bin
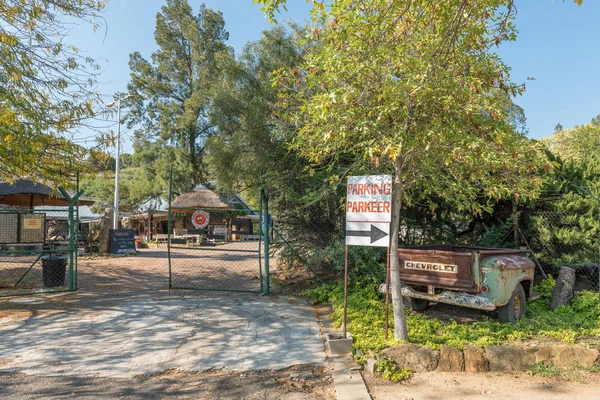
(54, 268)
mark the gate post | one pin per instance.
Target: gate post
(169, 227)
(265, 229)
(72, 229)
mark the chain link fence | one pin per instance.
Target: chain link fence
(37, 250)
(565, 238)
(225, 255)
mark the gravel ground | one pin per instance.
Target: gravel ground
(124, 322)
(303, 382)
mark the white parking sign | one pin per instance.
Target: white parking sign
(368, 210)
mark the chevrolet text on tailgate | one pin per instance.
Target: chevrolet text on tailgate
(486, 279)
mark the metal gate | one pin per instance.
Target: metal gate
(219, 248)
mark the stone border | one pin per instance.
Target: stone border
(490, 358)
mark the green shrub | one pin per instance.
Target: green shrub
(366, 320)
(390, 371)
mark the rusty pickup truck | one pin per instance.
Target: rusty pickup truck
(482, 278)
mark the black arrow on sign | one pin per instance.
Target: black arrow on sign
(375, 233)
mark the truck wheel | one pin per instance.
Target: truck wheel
(419, 305)
(515, 308)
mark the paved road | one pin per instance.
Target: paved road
(103, 335)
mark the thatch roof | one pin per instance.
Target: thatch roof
(24, 193)
(201, 198)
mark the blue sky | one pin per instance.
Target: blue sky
(558, 45)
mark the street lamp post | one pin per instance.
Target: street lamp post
(118, 159)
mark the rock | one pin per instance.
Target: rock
(307, 376)
(370, 365)
(451, 360)
(508, 359)
(566, 356)
(417, 358)
(126, 223)
(565, 288)
(475, 360)
(55, 230)
(102, 236)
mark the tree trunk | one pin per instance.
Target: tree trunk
(400, 330)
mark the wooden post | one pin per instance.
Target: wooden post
(387, 293)
(345, 291)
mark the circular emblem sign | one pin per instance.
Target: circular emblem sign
(200, 219)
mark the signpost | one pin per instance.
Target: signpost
(200, 219)
(368, 210)
(122, 241)
(368, 218)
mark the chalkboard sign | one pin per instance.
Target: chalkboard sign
(122, 241)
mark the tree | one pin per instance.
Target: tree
(100, 161)
(247, 144)
(409, 88)
(577, 144)
(564, 229)
(270, 7)
(173, 95)
(101, 185)
(46, 87)
(102, 188)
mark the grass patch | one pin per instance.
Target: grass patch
(366, 320)
(546, 370)
(578, 373)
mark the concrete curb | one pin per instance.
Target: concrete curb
(348, 381)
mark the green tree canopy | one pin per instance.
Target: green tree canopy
(173, 94)
(46, 87)
(271, 7)
(577, 144)
(564, 229)
(409, 88)
(247, 144)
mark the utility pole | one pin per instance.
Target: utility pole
(117, 159)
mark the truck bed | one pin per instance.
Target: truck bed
(446, 266)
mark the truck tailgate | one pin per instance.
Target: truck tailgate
(445, 267)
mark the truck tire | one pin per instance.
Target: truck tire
(515, 308)
(419, 305)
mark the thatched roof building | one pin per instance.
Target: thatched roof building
(203, 198)
(28, 194)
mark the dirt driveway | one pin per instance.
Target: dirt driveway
(230, 266)
(488, 386)
(305, 382)
(124, 325)
(148, 271)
